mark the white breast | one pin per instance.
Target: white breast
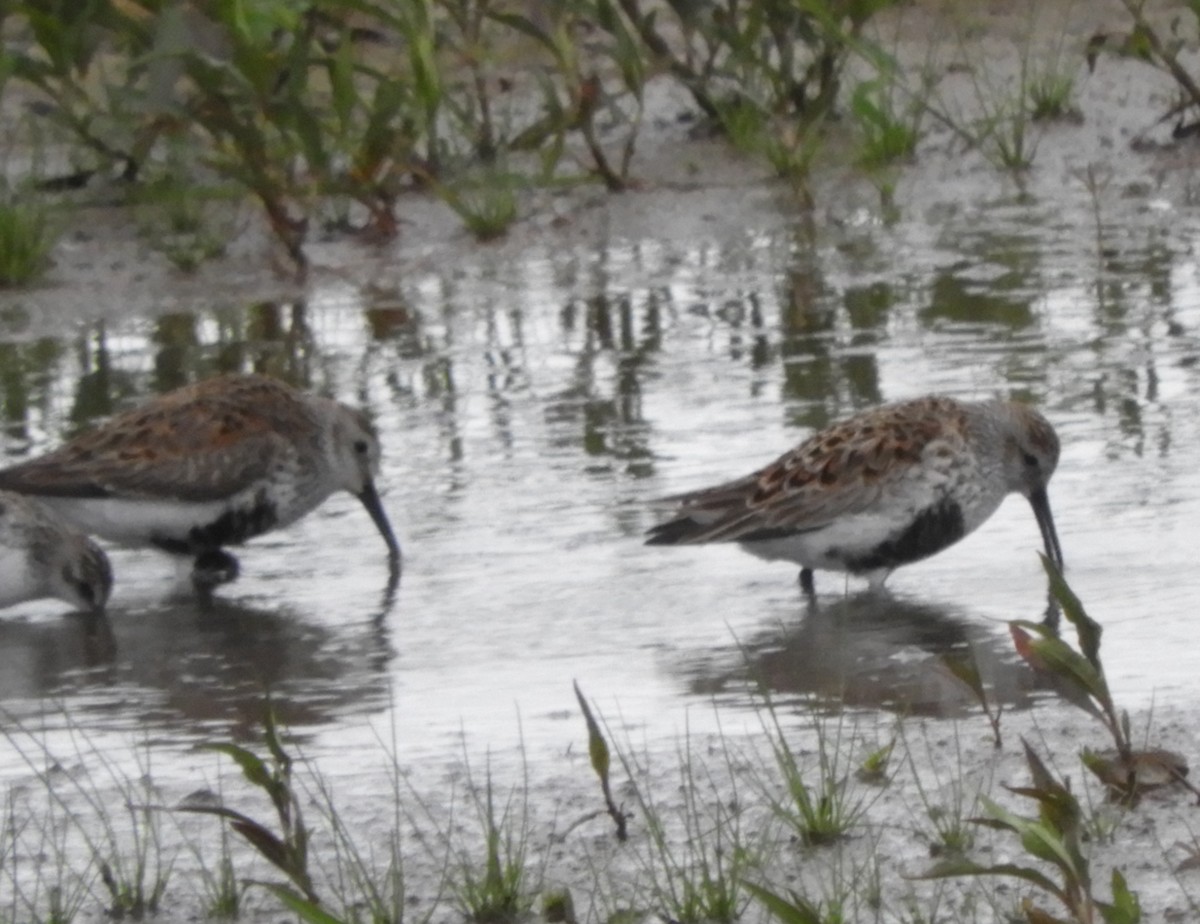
(134, 522)
(17, 581)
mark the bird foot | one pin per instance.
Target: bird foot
(213, 568)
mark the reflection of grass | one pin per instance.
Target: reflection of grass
(26, 238)
(889, 134)
(188, 226)
(488, 208)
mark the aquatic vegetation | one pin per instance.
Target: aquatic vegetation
(349, 106)
(947, 799)
(26, 239)
(697, 849)
(1054, 837)
(1079, 677)
(286, 850)
(503, 887)
(601, 760)
(1168, 54)
(821, 804)
(122, 838)
(889, 132)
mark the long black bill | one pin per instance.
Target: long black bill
(370, 500)
(1041, 509)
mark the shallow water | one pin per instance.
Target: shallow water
(531, 401)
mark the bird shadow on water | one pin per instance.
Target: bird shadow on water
(871, 650)
(188, 666)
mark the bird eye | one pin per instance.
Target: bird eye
(85, 592)
(360, 446)
(1029, 459)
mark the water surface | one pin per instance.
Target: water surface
(532, 400)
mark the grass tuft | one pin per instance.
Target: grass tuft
(26, 239)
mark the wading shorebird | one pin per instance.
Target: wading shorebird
(889, 486)
(41, 556)
(209, 465)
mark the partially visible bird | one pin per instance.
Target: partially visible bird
(888, 486)
(41, 556)
(209, 465)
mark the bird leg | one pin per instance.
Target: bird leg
(806, 582)
(214, 567)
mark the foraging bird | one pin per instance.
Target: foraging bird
(41, 556)
(889, 486)
(209, 465)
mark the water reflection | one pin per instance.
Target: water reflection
(530, 402)
(876, 651)
(195, 666)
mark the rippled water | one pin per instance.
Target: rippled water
(531, 401)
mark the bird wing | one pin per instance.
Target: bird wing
(196, 444)
(838, 472)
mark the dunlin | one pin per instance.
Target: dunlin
(209, 465)
(886, 487)
(41, 556)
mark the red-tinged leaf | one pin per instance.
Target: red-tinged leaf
(1075, 677)
(266, 843)
(218, 811)
(1024, 645)
(1035, 915)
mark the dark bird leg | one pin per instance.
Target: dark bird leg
(214, 567)
(806, 582)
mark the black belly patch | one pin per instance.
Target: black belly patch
(233, 527)
(934, 529)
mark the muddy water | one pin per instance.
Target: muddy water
(531, 400)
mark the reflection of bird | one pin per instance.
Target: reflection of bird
(209, 465)
(41, 556)
(886, 487)
(871, 650)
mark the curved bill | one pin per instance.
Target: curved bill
(1041, 509)
(370, 500)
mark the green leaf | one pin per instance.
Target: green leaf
(1088, 630)
(1051, 655)
(1125, 907)
(309, 912)
(266, 843)
(597, 746)
(253, 767)
(795, 909)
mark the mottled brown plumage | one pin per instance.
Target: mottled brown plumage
(211, 464)
(885, 487)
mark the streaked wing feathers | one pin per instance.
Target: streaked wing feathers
(837, 472)
(214, 446)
